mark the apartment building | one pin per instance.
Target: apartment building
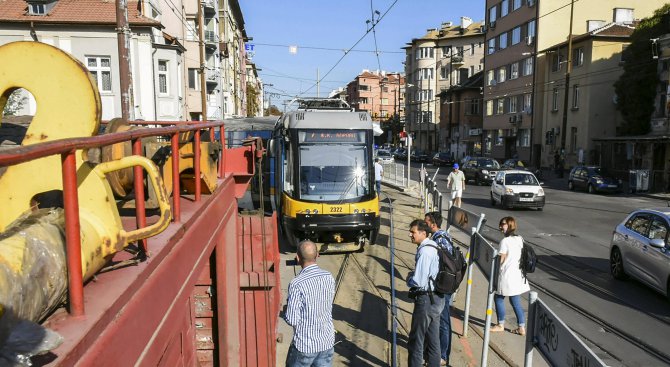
(442, 58)
(233, 58)
(462, 115)
(87, 30)
(515, 31)
(377, 92)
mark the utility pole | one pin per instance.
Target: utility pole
(566, 99)
(126, 77)
(203, 63)
(318, 85)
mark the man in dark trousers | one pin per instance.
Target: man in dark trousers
(428, 305)
(310, 311)
(442, 238)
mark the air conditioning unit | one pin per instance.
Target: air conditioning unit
(492, 25)
(530, 40)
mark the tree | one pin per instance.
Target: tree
(636, 88)
(15, 102)
(272, 111)
(252, 100)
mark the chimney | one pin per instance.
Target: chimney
(465, 22)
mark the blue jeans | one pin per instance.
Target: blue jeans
(379, 186)
(425, 331)
(515, 301)
(445, 329)
(296, 358)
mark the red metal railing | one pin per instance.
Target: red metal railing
(67, 148)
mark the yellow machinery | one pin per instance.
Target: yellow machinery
(68, 106)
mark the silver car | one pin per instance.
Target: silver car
(640, 248)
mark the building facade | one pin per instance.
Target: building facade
(462, 115)
(440, 59)
(515, 31)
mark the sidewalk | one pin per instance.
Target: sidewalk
(505, 349)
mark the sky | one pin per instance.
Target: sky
(323, 30)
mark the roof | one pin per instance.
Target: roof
(88, 12)
(611, 30)
(329, 120)
(450, 31)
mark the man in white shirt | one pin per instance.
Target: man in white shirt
(379, 172)
(456, 183)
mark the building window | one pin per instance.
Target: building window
(101, 70)
(501, 106)
(424, 53)
(500, 137)
(528, 66)
(527, 103)
(384, 114)
(488, 142)
(573, 140)
(516, 35)
(502, 74)
(492, 46)
(472, 70)
(493, 14)
(514, 70)
(504, 8)
(489, 107)
(191, 30)
(472, 106)
(363, 87)
(516, 4)
(37, 9)
(554, 100)
(513, 101)
(444, 72)
(523, 136)
(623, 15)
(578, 57)
(472, 49)
(502, 41)
(459, 51)
(530, 31)
(193, 79)
(163, 86)
(490, 77)
(446, 51)
(427, 73)
(575, 96)
(556, 62)
(363, 100)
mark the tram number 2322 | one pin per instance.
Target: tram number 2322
(336, 209)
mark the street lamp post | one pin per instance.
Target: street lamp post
(566, 98)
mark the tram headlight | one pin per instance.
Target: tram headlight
(358, 172)
(362, 210)
(316, 211)
(355, 211)
(307, 211)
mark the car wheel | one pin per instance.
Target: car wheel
(493, 201)
(477, 182)
(616, 265)
(571, 186)
(591, 189)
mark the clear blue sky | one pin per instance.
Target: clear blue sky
(338, 24)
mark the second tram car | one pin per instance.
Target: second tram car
(325, 178)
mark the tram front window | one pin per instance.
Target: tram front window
(333, 172)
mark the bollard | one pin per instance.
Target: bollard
(530, 329)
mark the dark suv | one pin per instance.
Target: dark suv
(481, 169)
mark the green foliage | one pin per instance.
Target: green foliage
(637, 86)
(15, 102)
(272, 111)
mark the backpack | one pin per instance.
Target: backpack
(451, 271)
(528, 260)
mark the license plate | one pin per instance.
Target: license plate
(612, 186)
(525, 199)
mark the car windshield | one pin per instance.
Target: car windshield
(488, 163)
(594, 171)
(520, 179)
(383, 153)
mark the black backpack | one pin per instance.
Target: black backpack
(528, 260)
(451, 272)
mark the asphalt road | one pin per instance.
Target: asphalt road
(572, 236)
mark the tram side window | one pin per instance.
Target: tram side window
(288, 175)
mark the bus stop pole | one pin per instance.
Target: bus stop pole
(468, 288)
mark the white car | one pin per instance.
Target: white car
(385, 157)
(516, 188)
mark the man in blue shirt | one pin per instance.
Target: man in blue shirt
(309, 310)
(442, 238)
(425, 330)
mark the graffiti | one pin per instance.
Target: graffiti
(548, 331)
(577, 360)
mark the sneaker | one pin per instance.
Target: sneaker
(443, 362)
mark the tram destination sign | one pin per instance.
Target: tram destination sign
(331, 136)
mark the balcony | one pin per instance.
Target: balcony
(211, 40)
(209, 6)
(212, 77)
(457, 60)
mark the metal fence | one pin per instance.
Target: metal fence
(394, 173)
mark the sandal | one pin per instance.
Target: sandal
(497, 328)
(520, 331)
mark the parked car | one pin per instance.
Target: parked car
(592, 179)
(640, 248)
(480, 169)
(517, 188)
(443, 159)
(419, 156)
(400, 154)
(385, 157)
